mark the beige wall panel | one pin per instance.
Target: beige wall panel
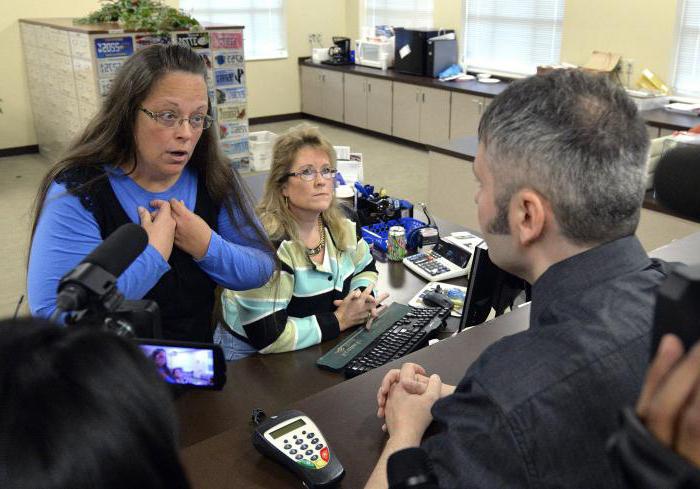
(451, 189)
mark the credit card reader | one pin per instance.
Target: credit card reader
(293, 440)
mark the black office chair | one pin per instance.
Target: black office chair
(677, 180)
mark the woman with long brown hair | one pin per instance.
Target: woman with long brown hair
(151, 156)
(326, 275)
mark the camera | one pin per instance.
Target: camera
(87, 296)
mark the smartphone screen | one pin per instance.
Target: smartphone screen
(192, 365)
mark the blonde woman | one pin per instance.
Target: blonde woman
(326, 275)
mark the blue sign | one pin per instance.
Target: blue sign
(229, 77)
(112, 47)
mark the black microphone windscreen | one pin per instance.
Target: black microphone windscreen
(677, 178)
(120, 249)
(410, 467)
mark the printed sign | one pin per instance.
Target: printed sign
(235, 146)
(145, 40)
(231, 112)
(114, 47)
(206, 57)
(226, 40)
(104, 86)
(226, 95)
(108, 68)
(194, 40)
(232, 129)
(229, 77)
(229, 59)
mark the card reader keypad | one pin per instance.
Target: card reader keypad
(304, 446)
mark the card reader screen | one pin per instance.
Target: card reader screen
(287, 428)
(454, 254)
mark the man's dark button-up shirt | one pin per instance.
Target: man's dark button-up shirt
(537, 407)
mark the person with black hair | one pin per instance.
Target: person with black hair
(152, 156)
(81, 409)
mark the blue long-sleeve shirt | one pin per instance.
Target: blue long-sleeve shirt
(67, 232)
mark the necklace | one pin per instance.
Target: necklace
(315, 251)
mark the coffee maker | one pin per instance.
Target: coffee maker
(339, 54)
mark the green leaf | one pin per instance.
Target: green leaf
(146, 15)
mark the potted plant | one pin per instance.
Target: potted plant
(146, 15)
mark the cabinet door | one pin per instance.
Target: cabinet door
(356, 100)
(332, 95)
(311, 96)
(434, 116)
(406, 111)
(465, 114)
(379, 105)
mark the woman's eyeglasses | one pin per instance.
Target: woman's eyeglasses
(309, 174)
(168, 118)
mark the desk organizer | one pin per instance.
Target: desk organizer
(377, 234)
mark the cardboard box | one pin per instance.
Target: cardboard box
(602, 62)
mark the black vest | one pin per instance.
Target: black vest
(184, 294)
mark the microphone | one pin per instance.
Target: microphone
(95, 277)
(410, 467)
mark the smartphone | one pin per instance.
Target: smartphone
(678, 307)
(187, 364)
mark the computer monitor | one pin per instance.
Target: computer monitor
(489, 288)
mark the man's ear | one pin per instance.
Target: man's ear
(528, 215)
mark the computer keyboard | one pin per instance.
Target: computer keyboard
(409, 333)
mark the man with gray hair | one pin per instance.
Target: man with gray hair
(561, 171)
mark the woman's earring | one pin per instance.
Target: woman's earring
(286, 202)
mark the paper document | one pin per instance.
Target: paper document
(690, 109)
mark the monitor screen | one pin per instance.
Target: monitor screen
(489, 288)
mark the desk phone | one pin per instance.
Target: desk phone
(445, 261)
(293, 440)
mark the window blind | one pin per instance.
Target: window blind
(512, 36)
(686, 77)
(265, 33)
(399, 13)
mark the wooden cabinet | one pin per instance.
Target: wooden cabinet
(466, 113)
(379, 94)
(368, 103)
(356, 101)
(434, 116)
(406, 111)
(311, 100)
(421, 114)
(322, 93)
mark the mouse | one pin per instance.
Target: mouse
(435, 299)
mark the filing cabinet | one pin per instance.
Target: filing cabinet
(70, 69)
